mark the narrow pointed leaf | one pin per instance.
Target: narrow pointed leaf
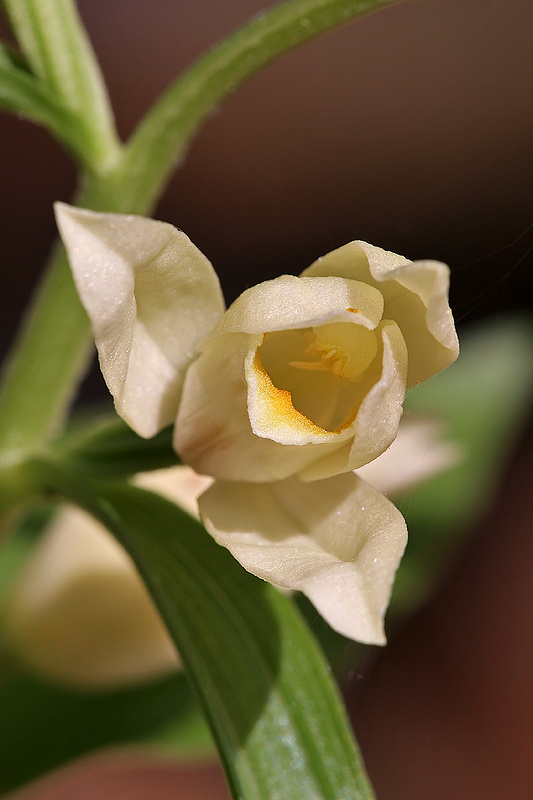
(22, 94)
(272, 706)
(54, 42)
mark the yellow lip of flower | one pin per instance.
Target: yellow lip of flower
(277, 320)
(278, 405)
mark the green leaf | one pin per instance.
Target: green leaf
(9, 57)
(43, 725)
(52, 38)
(19, 544)
(482, 401)
(23, 95)
(273, 708)
(46, 724)
(108, 448)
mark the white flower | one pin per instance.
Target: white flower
(301, 380)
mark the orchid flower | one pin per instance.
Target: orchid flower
(279, 398)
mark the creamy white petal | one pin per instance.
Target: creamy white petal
(289, 302)
(415, 295)
(80, 612)
(232, 418)
(418, 453)
(338, 540)
(151, 296)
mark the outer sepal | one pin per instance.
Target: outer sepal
(415, 295)
(151, 296)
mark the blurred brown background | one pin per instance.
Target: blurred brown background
(411, 129)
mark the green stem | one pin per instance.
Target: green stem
(19, 485)
(47, 362)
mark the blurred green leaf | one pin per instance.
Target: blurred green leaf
(482, 401)
(43, 725)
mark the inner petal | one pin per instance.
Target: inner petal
(322, 368)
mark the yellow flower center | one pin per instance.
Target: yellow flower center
(324, 369)
(344, 349)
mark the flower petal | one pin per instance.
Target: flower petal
(234, 423)
(213, 432)
(416, 297)
(151, 296)
(233, 429)
(289, 302)
(80, 612)
(338, 540)
(417, 453)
